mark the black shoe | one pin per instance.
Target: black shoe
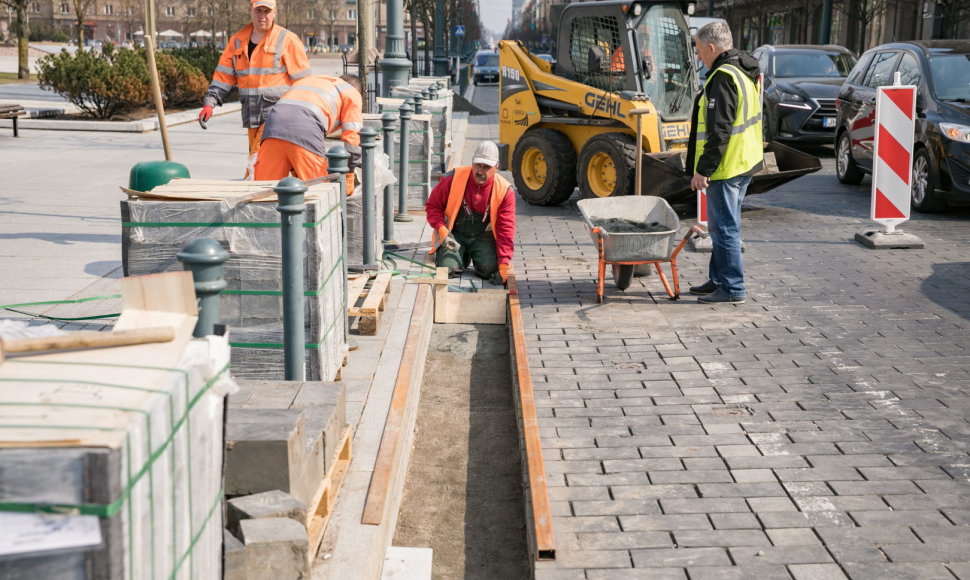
(720, 297)
(704, 289)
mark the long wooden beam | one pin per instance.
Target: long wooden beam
(542, 540)
(392, 436)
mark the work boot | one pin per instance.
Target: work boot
(704, 289)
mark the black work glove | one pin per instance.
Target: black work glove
(354, 161)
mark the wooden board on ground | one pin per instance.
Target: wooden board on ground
(374, 300)
(454, 305)
(319, 511)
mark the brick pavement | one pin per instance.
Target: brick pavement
(819, 431)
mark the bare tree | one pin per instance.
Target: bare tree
(81, 8)
(21, 26)
(329, 15)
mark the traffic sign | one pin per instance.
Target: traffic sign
(459, 30)
(892, 174)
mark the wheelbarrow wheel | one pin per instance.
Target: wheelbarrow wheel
(623, 275)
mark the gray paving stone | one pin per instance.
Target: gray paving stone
(680, 557)
(816, 572)
(789, 554)
(615, 507)
(883, 535)
(638, 574)
(841, 503)
(766, 489)
(819, 519)
(766, 571)
(624, 540)
(734, 521)
(910, 518)
(889, 487)
(665, 522)
(897, 571)
(654, 491)
(594, 559)
(703, 505)
(724, 538)
(942, 534)
(856, 553)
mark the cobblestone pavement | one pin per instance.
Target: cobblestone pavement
(819, 431)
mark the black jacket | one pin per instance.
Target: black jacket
(722, 99)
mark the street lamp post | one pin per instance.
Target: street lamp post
(395, 64)
(440, 58)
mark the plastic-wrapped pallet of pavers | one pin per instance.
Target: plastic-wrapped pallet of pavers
(156, 226)
(111, 458)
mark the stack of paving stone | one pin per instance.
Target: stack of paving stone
(112, 471)
(440, 110)
(154, 230)
(420, 153)
(283, 439)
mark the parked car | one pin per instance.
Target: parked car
(801, 82)
(940, 69)
(485, 67)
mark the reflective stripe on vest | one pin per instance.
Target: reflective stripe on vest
(744, 149)
(500, 187)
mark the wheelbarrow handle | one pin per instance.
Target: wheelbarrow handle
(690, 233)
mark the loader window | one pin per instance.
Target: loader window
(597, 52)
(663, 41)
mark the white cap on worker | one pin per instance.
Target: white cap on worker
(486, 153)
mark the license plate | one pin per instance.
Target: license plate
(828, 122)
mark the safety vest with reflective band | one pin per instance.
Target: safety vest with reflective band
(745, 148)
(278, 60)
(456, 195)
(329, 102)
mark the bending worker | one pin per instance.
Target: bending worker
(726, 151)
(263, 60)
(472, 214)
(314, 107)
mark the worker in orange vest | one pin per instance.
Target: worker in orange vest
(314, 107)
(262, 60)
(472, 214)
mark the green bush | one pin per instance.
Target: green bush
(182, 84)
(101, 85)
(116, 81)
(204, 58)
(43, 32)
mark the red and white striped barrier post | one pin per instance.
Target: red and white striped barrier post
(892, 168)
(702, 207)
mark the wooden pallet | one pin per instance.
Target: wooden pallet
(373, 299)
(326, 495)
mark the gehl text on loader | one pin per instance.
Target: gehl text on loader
(619, 64)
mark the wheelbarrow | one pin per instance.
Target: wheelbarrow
(632, 230)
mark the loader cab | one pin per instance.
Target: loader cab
(630, 46)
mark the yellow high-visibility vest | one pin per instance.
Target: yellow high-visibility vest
(745, 149)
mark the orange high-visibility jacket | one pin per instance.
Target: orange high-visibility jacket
(277, 62)
(500, 187)
(313, 108)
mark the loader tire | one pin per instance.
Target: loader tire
(607, 166)
(542, 167)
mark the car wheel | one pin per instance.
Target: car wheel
(924, 196)
(845, 168)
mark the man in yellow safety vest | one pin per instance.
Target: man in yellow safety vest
(725, 150)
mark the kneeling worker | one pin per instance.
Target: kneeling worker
(472, 214)
(296, 127)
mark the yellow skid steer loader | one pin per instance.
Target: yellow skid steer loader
(620, 64)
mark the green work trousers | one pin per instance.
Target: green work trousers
(477, 246)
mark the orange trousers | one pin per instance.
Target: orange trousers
(278, 159)
(255, 136)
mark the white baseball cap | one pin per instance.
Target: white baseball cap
(486, 153)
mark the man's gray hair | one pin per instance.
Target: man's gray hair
(716, 33)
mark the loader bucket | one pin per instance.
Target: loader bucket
(663, 173)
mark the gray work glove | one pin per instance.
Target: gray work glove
(450, 244)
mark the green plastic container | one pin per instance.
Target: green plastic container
(146, 175)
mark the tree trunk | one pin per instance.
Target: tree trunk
(414, 40)
(23, 36)
(80, 32)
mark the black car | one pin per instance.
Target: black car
(800, 85)
(941, 148)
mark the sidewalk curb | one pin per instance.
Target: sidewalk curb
(36, 120)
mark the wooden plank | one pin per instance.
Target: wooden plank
(482, 307)
(393, 436)
(542, 539)
(354, 287)
(326, 496)
(369, 313)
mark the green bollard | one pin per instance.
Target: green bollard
(402, 166)
(433, 91)
(387, 125)
(368, 142)
(204, 257)
(337, 157)
(290, 192)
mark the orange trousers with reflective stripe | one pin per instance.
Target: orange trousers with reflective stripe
(278, 159)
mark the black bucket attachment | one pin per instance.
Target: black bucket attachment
(663, 173)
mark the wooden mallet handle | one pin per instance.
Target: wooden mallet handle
(87, 339)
